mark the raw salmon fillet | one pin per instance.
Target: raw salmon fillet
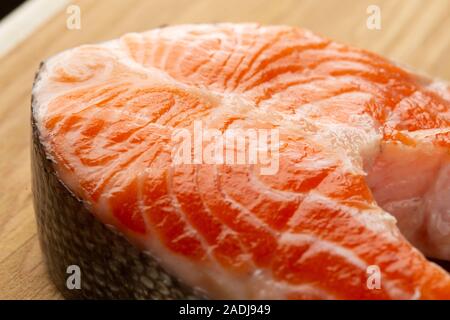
(364, 160)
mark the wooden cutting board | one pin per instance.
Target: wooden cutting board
(413, 32)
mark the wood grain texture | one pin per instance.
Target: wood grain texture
(414, 32)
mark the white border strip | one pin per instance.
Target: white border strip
(20, 23)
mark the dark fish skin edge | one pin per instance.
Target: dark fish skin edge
(111, 267)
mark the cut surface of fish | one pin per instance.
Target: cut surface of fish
(362, 176)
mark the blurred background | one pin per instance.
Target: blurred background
(414, 32)
(411, 32)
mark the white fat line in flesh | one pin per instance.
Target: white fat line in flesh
(318, 245)
(169, 45)
(73, 183)
(210, 278)
(195, 43)
(243, 211)
(153, 150)
(139, 53)
(124, 163)
(376, 220)
(200, 276)
(311, 288)
(243, 63)
(80, 109)
(226, 229)
(188, 272)
(305, 45)
(238, 43)
(104, 198)
(245, 74)
(170, 35)
(152, 76)
(189, 229)
(424, 133)
(312, 103)
(157, 76)
(92, 116)
(156, 36)
(198, 45)
(264, 286)
(274, 193)
(193, 231)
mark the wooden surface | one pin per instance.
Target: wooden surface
(414, 32)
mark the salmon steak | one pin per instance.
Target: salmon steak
(351, 199)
